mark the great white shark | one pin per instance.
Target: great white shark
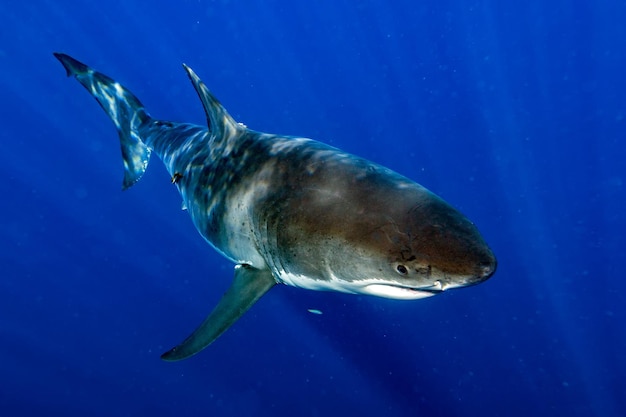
(291, 210)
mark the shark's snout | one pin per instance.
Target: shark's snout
(485, 268)
(488, 268)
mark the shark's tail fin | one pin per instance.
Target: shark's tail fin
(123, 108)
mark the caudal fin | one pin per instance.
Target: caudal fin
(124, 109)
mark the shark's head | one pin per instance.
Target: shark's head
(426, 248)
(402, 244)
(356, 227)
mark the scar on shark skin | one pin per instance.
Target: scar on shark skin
(176, 177)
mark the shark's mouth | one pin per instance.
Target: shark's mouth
(400, 292)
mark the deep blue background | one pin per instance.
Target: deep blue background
(512, 111)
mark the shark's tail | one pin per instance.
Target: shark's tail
(123, 108)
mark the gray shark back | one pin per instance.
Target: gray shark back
(293, 210)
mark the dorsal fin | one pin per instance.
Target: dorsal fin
(220, 122)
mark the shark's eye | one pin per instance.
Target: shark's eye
(402, 269)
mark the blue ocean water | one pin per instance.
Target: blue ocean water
(512, 111)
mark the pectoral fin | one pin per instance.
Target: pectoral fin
(248, 286)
